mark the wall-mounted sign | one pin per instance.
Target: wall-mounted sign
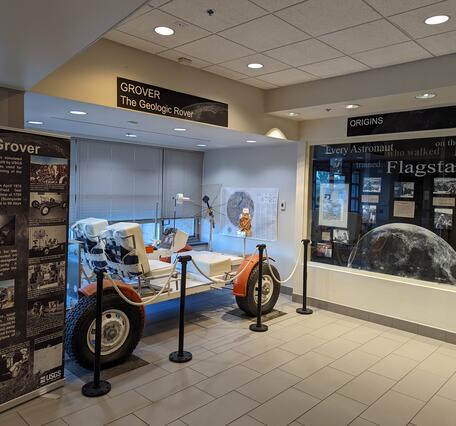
(406, 121)
(157, 100)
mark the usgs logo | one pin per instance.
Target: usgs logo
(50, 377)
(368, 121)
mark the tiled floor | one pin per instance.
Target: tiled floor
(324, 369)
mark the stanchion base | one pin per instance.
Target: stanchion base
(303, 311)
(180, 358)
(261, 328)
(92, 391)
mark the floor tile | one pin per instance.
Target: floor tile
(130, 420)
(284, 408)
(331, 331)
(415, 350)
(398, 335)
(170, 384)
(448, 390)
(303, 344)
(107, 410)
(361, 422)
(228, 342)
(269, 360)
(173, 407)
(392, 409)
(447, 349)
(60, 422)
(268, 385)
(306, 364)
(219, 362)
(367, 387)
(362, 334)
(394, 366)
(437, 412)
(289, 333)
(355, 362)
(380, 346)
(336, 410)
(324, 382)
(420, 384)
(337, 347)
(227, 380)
(198, 355)
(246, 421)
(441, 365)
(220, 411)
(12, 419)
(258, 346)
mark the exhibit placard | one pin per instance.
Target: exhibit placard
(34, 183)
(404, 121)
(144, 97)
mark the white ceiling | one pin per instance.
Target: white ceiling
(112, 124)
(37, 37)
(297, 41)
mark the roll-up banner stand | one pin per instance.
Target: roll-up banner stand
(34, 184)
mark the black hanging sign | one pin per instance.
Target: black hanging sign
(157, 100)
(406, 121)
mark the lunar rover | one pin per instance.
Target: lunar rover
(135, 277)
(45, 205)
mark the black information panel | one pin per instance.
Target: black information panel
(406, 121)
(33, 251)
(157, 100)
(387, 207)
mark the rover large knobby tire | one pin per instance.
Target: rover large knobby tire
(36, 204)
(45, 210)
(270, 291)
(122, 329)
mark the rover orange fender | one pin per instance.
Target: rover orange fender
(241, 282)
(126, 289)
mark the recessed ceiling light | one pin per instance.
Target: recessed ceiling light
(35, 122)
(76, 112)
(293, 114)
(352, 106)
(250, 141)
(255, 66)
(164, 31)
(180, 129)
(131, 135)
(425, 96)
(201, 145)
(436, 20)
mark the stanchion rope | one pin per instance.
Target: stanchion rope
(292, 272)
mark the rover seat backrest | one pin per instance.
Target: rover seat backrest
(89, 232)
(125, 250)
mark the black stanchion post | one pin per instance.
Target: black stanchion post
(180, 355)
(304, 310)
(97, 387)
(258, 326)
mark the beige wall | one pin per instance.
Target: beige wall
(11, 108)
(91, 77)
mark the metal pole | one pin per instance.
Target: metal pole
(97, 387)
(258, 326)
(304, 310)
(180, 355)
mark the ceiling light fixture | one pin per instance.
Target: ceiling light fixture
(293, 114)
(164, 31)
(351, 106)
(425, 96)
(250, 141)
(180, 129)
(130, 135)
(35, 122)
(76, 112)
(255, 66)
(201, 145)
(436, 20)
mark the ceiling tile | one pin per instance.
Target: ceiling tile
(390, 55)
(225, 72)
(137, 43)
(393, 7)
(174, 55)
(333, 67)
(413, 21)
(442, 44)
(304, 52)
(318, 17)
(267, 32)
(141, 11)
(365, 37)
(143, 26)
(270, 65)
(287, 77)
(273, 5)
(227, 13)
(252, 81)
(215, 49)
